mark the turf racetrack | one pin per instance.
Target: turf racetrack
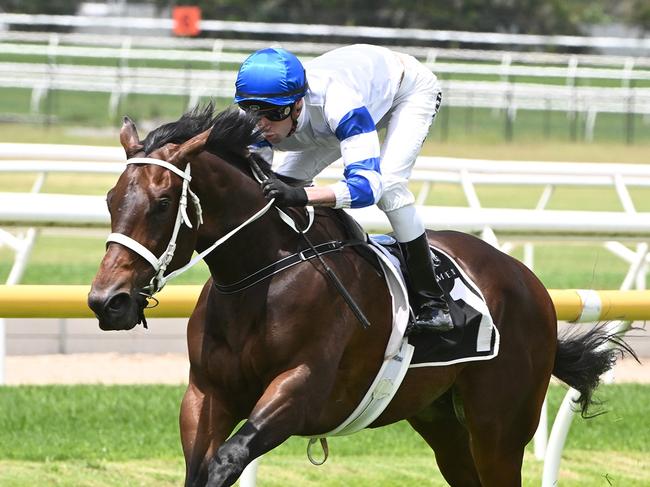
(128, 436)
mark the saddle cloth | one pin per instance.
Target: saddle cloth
(474, 336)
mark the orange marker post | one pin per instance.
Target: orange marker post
(187, 20)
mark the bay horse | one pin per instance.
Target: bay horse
(286, 354)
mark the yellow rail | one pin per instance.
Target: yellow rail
(44, 301)
(605, 305)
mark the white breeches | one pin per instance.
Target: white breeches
(407, 125)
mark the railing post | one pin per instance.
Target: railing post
(558, 436)
(23, 249)
(540, 440)
(63, 335)
(631, 111)
(564, 416)
(249, 475)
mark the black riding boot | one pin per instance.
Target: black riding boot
(431, 310)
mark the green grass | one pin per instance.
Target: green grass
(120, 423)
(101, 435)
(60, 183)
(537, 150)
(92, 422)
(141, 473)
(582, 266)
(82, 108)
(459, 124)
(579, 469)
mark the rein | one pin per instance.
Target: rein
(285, 263)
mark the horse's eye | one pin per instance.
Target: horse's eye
(163, 204)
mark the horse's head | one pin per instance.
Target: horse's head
(154, 216)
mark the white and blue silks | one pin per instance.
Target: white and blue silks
(353, 91)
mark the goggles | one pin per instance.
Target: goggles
(275, 114)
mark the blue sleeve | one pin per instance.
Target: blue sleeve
(362, 179)
(360, 150)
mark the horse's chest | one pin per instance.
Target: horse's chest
(229, 365)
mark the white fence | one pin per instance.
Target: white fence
(625, 63)
(506, 94)
(220, 51)
(197, 83)
(327, 31)
(572, 94)
(467, 173)
(21, 209)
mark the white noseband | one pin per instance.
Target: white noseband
(160, 263)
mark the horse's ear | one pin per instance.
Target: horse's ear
(129, 138)
(191, 147)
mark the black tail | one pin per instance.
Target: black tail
(581, 360)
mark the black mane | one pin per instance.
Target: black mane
(232, 133)
(192, 123)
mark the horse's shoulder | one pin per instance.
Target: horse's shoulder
(344, 222)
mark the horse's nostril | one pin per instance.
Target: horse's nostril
(118, 302)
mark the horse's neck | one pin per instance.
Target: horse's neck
(229, 198)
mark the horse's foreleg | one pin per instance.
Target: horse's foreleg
(205, 424)
(283, 410)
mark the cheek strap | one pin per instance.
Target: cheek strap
(294, 124)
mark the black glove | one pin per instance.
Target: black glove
(284, 194)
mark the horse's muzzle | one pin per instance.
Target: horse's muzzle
(115, 311)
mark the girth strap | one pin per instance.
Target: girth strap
(285, 263)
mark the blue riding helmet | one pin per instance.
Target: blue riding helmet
(272, 76)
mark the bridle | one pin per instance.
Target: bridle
(160, 264)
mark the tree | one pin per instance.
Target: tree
(58, 7)
(639, 15)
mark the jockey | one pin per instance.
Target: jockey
(333, 110)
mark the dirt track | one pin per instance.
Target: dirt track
(113, 368)
(97, 368)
